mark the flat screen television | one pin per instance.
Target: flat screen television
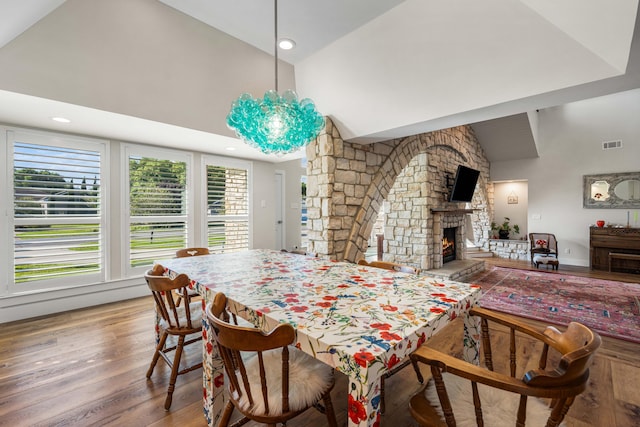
(464, 184)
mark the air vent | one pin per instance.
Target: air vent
(608, 145)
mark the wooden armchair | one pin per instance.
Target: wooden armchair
(561, 374)
(185, 323)
(404, 269)
(275, 384)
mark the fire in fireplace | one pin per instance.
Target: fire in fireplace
(448, 245)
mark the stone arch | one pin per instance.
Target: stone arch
(382, 182)
(347, 183)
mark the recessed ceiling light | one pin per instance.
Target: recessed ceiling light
(60, 120)
(286, 44)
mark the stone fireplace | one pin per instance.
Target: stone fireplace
(448, 224)
(348, 184)
(448, 245)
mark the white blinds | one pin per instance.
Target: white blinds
(228, 209)
(157, 207)
(57, 210)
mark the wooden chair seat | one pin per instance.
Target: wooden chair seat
(561, 374)
(278, 382)
(183, 323)
(308, 379)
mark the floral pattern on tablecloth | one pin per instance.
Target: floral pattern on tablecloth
(360, 320)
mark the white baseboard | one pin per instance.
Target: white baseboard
(34, 305)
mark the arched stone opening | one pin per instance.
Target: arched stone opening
(347, 184)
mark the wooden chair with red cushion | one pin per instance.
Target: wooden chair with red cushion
(543, 245)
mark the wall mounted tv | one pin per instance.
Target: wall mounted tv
(464, 184)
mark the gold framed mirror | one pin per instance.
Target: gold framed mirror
(612, 190)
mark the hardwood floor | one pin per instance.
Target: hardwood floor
(87, 367)
(566, 269)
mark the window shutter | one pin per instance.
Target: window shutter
(228, 209)
(57, 211)
(157, 205)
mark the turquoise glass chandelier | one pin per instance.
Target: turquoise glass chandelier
(275, 123)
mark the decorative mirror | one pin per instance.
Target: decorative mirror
(612, 190)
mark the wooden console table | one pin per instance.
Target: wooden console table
(619, 241)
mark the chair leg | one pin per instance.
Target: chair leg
(382, 407)
(156, 355)
(329, 411)
(417, 369)
(226, 415)
(175, 368)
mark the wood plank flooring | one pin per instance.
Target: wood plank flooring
(87, 367)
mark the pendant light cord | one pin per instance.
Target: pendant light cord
(275, 46)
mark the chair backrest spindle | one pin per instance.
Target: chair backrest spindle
(561, 382)
(258, 364)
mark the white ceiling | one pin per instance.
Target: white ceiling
(312, 24)
(460, 56)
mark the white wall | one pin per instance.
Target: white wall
(516, 212)
(139, 58)
(264, 199)
(118, 287)
(570, 145)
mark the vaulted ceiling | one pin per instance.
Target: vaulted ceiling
(389, 68)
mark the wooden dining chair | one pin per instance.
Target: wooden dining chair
(268, 380)
(300, 252)
(464, 393)
(183, 323)
(392, 266)
(187, 252)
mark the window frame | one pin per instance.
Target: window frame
(128, 150)
(211, 160)
(11, 135)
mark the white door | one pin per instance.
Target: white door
(279, 203)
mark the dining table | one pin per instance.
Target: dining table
(360, 320)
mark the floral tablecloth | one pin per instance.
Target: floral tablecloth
(360, 320)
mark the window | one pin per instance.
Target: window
(57, 210)
(227, 205)
(158, 207)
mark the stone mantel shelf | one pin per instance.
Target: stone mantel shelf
(453, 211)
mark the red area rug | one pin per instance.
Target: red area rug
(609, 307)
